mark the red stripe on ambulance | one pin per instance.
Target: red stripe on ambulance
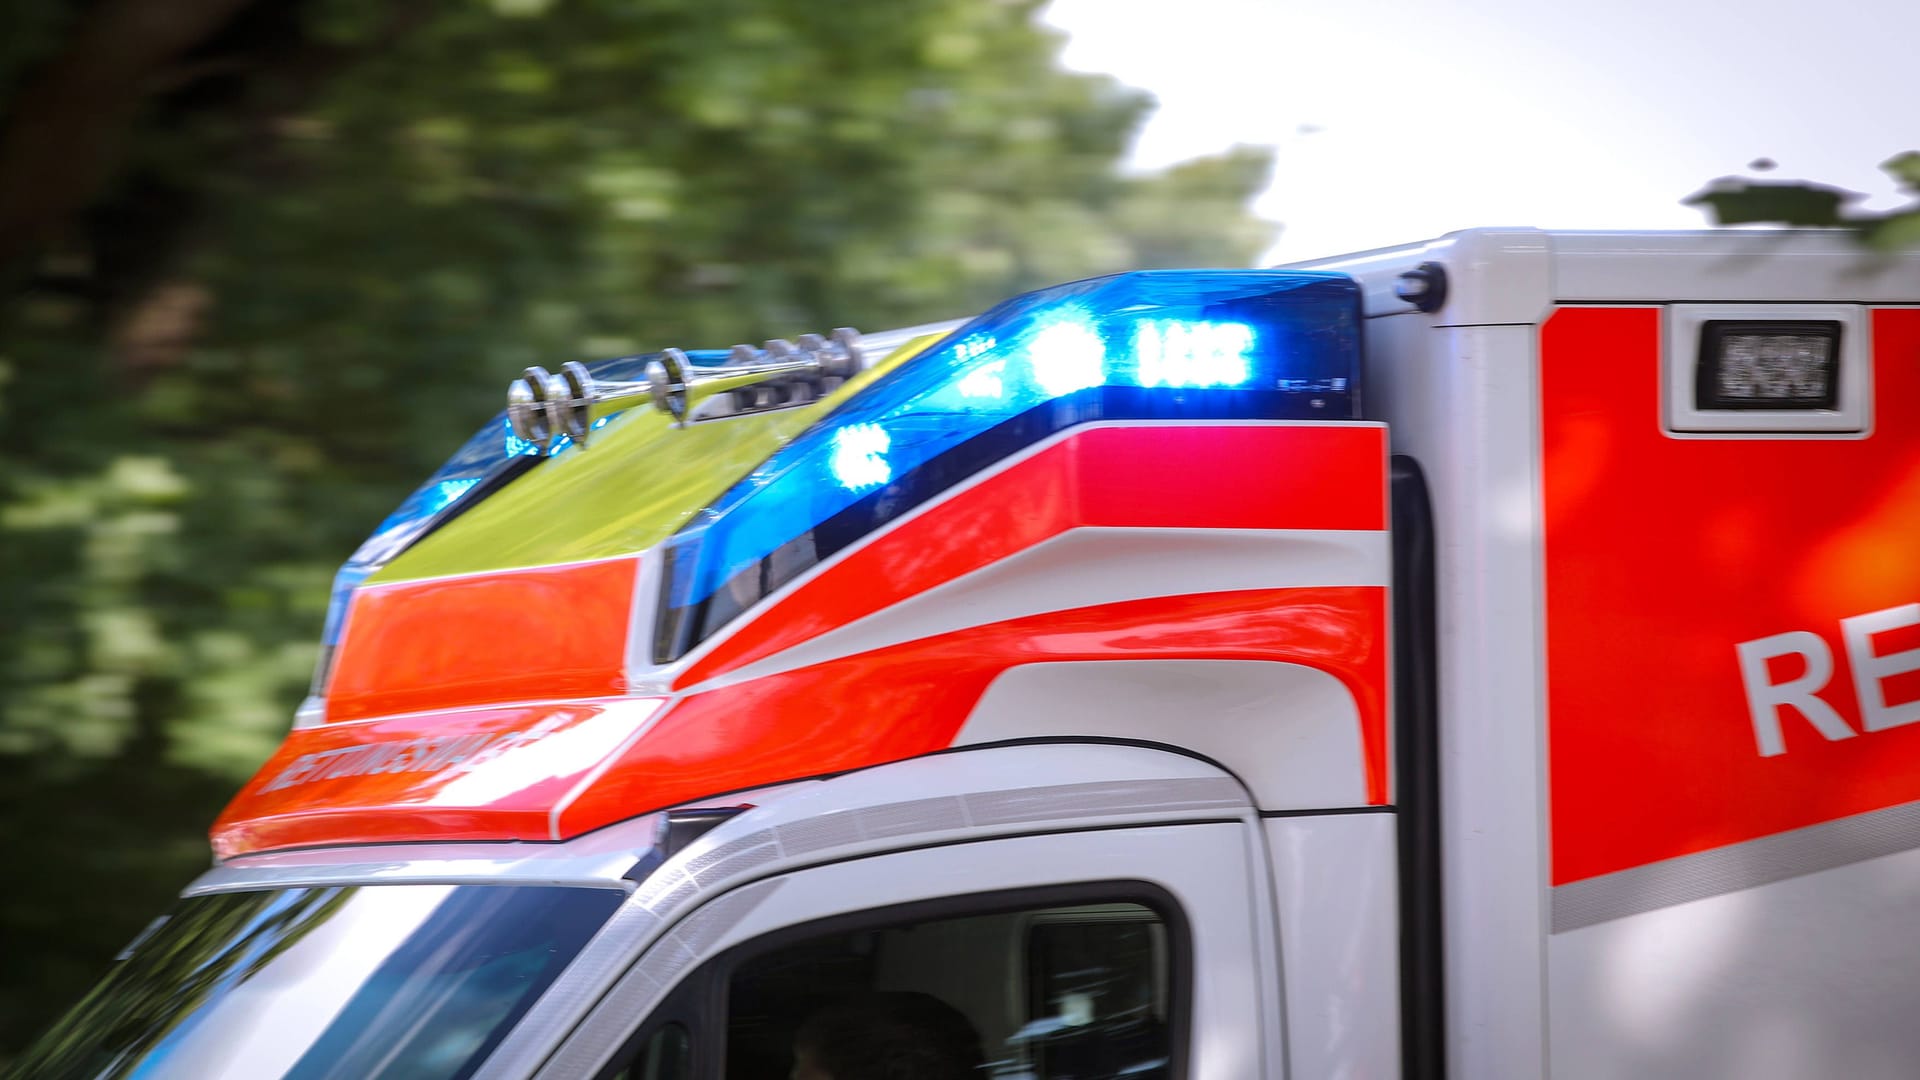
(1200, 476)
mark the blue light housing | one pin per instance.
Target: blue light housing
(1152, 344)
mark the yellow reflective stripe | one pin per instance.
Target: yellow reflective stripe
(639, 481)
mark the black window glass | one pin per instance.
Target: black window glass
(1059, 993)
(416, 981)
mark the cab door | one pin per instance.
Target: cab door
(1101, 911)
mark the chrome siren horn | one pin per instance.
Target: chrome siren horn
(680, 388)
(532, 402)
(543, 408)
(839, 357)
(667, 384)
(581, 392)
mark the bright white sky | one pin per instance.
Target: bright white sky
(1398, 120)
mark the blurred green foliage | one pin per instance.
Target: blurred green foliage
(1741, 201)
(307, 244)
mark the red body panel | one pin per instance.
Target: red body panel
(912, 698)
(484, 774)
(1664, 553)
(549, 633)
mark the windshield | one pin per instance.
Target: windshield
(420, 981)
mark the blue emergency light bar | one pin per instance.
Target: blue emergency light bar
(1158, 344)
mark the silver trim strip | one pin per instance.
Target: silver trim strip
(1735, 867)
(604, 874)
(599, 859)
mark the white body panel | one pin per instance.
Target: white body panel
(1808, 977)
(1725, 267)
(1334, 886)
(1512, 275)
(1496, 276)
(1081, 567)
(1461, 401)
(1292, 732)
(1757, 973)
(1492, 795)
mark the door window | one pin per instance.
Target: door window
(1072, 992)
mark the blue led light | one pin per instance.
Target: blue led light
(1178, 352)
(859, 458)
(514, 445)
(1067, 354)
(1212, 343)
(984, 382)
(974, 347)
(447, 491)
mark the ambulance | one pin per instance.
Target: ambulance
(1491, 657)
